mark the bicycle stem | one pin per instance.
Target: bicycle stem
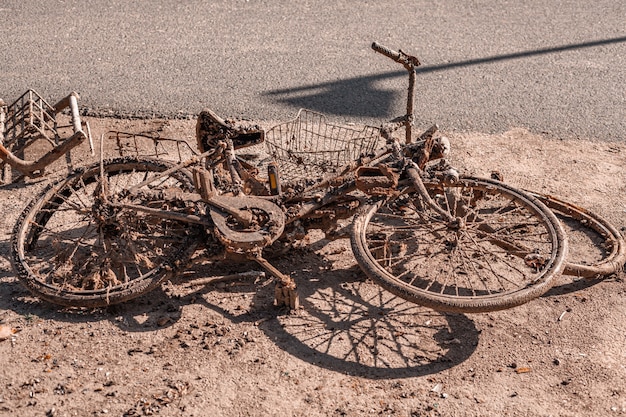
(414, 173)
(410, 101)
(410, 63)
(416, 179)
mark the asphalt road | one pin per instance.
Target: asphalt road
(488, 65)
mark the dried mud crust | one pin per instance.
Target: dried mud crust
(354, 349)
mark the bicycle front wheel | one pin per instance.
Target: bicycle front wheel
(505, 248)
(72, 247)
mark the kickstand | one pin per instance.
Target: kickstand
(285, 293)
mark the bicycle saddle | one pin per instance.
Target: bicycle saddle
(210, 129)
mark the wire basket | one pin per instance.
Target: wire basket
(308, 148)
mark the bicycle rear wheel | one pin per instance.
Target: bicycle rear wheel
(596, 247)
(505, 249)
(71, 247)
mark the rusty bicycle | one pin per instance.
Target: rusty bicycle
(117, 229)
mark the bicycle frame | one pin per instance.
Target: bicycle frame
(320, 205)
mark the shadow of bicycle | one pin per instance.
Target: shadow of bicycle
(364, 96)
(348, 324)
(354, 327)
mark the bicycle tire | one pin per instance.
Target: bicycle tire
(67, 249)
(588, 226)
(482, 265)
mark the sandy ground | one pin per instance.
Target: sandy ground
(353, 349)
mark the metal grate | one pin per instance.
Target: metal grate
(30, 117)
(149, 144)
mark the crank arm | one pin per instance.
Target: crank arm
(242, 216)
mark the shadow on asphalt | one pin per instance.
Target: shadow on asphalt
(360, 96)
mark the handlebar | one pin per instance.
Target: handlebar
(409, 62)
(386, 51)
(71, 101)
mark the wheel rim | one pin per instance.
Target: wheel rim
(74, 245)
(506, 249)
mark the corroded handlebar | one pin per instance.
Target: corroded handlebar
(409, 62)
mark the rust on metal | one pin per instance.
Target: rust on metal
(317, 174)
(31, 118)
(266, 224)
(379, 180)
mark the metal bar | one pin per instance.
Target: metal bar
(410, 106)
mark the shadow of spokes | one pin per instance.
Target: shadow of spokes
(359, 329)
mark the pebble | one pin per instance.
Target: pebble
(437, 388)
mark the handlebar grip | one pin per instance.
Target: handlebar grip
(73, 103)
(386, 51)
(70, 101)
